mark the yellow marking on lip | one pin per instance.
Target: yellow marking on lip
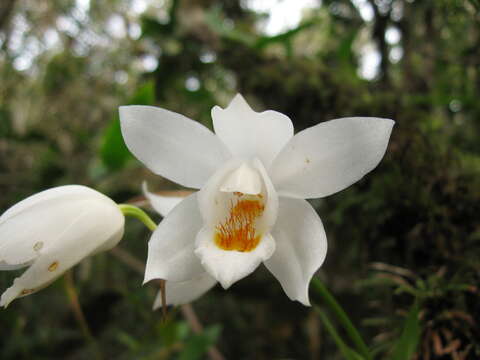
(238, 231)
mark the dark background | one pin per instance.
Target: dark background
(407, 232)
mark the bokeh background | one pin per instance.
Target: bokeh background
(407, 233)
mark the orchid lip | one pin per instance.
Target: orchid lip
(239, 231)
(239, 228)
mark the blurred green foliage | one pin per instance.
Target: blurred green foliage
(113, 151)
(406, 234)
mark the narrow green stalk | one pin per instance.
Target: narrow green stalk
(130, 210)
(79, 315)
(344, 349)
(343, 318)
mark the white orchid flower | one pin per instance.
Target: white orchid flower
(254, 176)
(52, 231)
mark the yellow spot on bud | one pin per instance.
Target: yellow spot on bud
(238, 231)
(27, 291)
(53, 266)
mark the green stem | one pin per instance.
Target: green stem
(79, 315)
(130, 210)
(342, 317)
(344, 349)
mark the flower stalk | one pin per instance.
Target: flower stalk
(139, 214)
(348, 353)
(71, 292)
(131, 210)
(342, 317)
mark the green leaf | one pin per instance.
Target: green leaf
(214, 19)
(171, 332)
(216, 22)
(264, 41)
(129, 341)
(113, 151)
(198, 344)
(345, 51)
(407, 344)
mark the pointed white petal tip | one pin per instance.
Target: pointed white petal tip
(54, 230)
(248, 133)
(8, 296)
(238, 101)
(301, 248)
(330, 156)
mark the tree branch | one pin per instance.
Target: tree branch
(6, 9)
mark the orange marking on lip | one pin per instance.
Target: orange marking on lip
(238, 231)
(53, 266)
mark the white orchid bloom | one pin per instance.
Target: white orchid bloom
(253, 175)
(52, 231)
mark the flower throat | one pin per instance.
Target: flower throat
(238, 231)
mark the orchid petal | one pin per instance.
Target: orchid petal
(59, 192)
(171, 145)
(184, 292)
(170, 249)
(272, 207)
(248, 133)
(71, 240)
(33, 225)
(162, 204)
(330, 156)
(301, 247)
